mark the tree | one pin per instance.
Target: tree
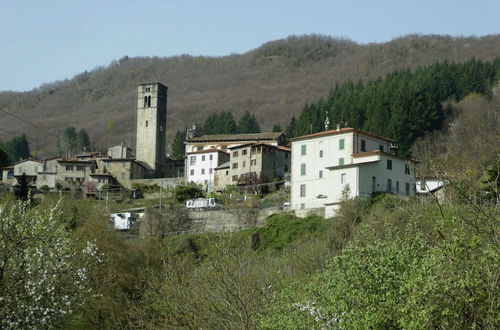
(178, 147)
(83, 140)
(16, 148)
(68, 141)
(290, 129)
(44, 275)
(183, 193)
(22, 189)
(277, 128)
(248, 124)
(4, 157)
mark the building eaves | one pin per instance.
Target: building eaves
(341, 131)
(236, 137)
(379, 152)
(223, 166)
(206, 151)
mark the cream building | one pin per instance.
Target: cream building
(327, 164)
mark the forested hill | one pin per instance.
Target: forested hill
(273, 82)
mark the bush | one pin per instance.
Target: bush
(183, 193)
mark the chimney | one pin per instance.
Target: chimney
(338, 127)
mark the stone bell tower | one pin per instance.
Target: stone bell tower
(151, 125)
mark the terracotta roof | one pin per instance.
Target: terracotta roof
(284, 148)
(341, 131)
(236, 137)
(378, 152)
(7, 167)
(206, 151)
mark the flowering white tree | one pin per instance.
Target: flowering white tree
(43, 275)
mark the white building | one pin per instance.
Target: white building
(326, 164)
(200, 166)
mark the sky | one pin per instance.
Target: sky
(46, 41)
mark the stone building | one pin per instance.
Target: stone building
(151, 141)
(258, 163)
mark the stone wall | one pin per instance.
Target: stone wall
(162, 182)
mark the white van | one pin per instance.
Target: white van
(124, 220)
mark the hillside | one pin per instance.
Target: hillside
(277, 78)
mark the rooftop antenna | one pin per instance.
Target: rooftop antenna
(327, 122)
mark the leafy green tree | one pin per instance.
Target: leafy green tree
(183, 193)
(16, 148)
(178, 147)
(248, 124)
(68, 141)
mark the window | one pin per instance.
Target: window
(286, 154)
(145, 101)
(235, 153)
(343, 178)
(321, 154)
(227, 172)
(286, 168)
(302, 190)
(243, 164)
(253, 162)
(146, 124)
(302, 206)
(69, 167)
(199, 148)
(320, 174)
(389, 185)
(235, 178)
(149, 101)
(244, 152)
(206, 182)
(381, 148)
(397, 187)
(302, 169)
(407, 169)
(341, 144)
(203, 158)
(303, 150)
(123, 176)
(210, 171)
(363, 145)
(191, 172)
(211, 157)
(202, 171)
(407, 188)
(341, 161)
(148, 89)
(389, 164)
(80, 167)
(192, 160)
(235, 165)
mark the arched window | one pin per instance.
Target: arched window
(149, 101)
(145, 101)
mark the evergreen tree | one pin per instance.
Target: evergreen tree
(4, 157)
(248, 124)
(178, 147)
(68, 142)
(277, 128)
(219, 123)
(290, 129)
(22, 189)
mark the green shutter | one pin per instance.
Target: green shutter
(303, 150)
(302, 169)
(341, 144)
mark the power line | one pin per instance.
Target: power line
(37, 127)
(39, 147)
